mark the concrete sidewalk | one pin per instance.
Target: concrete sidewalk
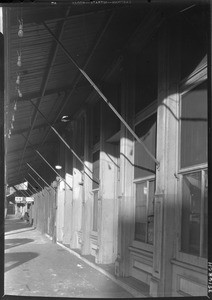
(34, 266)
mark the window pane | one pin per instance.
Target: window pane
(194, 127)
(150, 223)
(95, 210)
(95, 169)
(193, 40)
(144, 164)
(191, 204)
(205, 235)
(151, 197)
(140, 212)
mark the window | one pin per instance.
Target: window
(144, 211)
(144, 179)
(95, 210)
(194, 126)
(194, 213)
(143, 163)
(95, 188)
(193, 164)
(95, 158)
(95, 169)
(193, 40)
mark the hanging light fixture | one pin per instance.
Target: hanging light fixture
(19, 93)
(65, 119)
(13, 118)
(18, 80)
(58, 167)
(15, 106)
(12, 127)
(9, 131)
(19, 59)
(21, 26)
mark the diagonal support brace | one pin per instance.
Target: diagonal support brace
(102, 95)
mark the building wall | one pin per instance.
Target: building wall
(133, 216)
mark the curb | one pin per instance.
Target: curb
(129, 289)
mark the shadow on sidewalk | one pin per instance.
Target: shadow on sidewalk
(13, 260)
(10, 243)
(15, 224)
(18, 231)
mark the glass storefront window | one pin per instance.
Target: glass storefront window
(191, 204)
(193, 155)
(144, 211)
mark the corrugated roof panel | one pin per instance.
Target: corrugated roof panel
(79, 37)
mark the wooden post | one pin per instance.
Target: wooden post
(167, 145)
(107, 214)
(87, 197)
(126, 205)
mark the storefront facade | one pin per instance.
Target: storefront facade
(142, 206)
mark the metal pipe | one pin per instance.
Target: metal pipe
(31, 185)
(28, 187)
(21, 191)
(78, 76)
(60, 137)
(25, 195)
(48, 163)
(39, 176)
(35, 180)
(102, 95)
(53, 169)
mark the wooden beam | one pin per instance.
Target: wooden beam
(44, 146)
(38, 95)
(53, 13)
(26, 129)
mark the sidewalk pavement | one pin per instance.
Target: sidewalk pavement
(34, 266)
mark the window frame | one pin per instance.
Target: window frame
(196, 78)
(94, 232)
(141, 116)
(96, 148)
(136, 243)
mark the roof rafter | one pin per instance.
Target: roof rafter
(79, 75)
(53, 54)
(37, 95)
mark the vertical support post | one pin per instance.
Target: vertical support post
(4, 97)
(54, 218)
(78, 184)
(167, 145)
(108, 219)
(126, 207)
(87, 201)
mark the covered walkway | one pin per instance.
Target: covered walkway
(34, 266)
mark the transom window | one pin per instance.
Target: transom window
(143, 164)
(194, 127)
